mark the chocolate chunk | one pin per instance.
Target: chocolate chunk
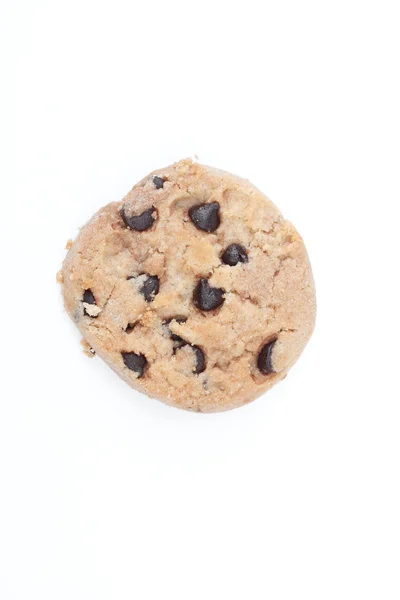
(233, 254)
(174, 336)
(158, 182)
(200, 360)
(139, 222)
(88, 297)
(205, 216)
(135, 362)
(264, 360)
(150, 288)
(206, 297)
(130, 327)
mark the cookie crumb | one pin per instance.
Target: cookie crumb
(91, 309)
(59, 276)
(68, 245)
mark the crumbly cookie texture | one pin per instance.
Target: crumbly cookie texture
(194, 289)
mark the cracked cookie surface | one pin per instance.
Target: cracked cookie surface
(194, 289)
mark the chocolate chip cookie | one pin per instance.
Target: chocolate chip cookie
(194, 289)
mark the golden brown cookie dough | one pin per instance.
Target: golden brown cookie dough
(194, 289)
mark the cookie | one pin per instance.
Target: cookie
(194, 289)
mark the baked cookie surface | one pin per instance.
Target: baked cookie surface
(194, 289)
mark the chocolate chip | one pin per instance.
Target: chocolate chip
(206, 297)
(264, 360)
(88, 297)
(135, 362)
(233, 254)
(205, 216)
(174, 336)
(158, 182)
(150, 288)
(179, 344)
(200, 360)
(139, 222)
(130, 327)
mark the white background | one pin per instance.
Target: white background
(107, 495)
